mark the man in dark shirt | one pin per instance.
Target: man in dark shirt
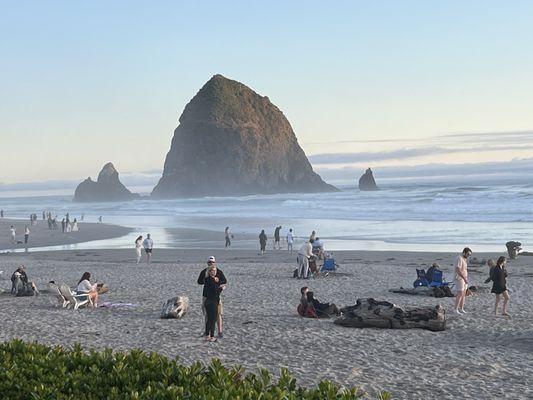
(222, 281)
(277, 238)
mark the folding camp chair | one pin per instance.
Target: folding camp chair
(74, 300)
(421, 279)
(437, 279)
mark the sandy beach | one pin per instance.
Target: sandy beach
(41, 236)
(478, 356)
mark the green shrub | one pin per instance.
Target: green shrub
(36, 371)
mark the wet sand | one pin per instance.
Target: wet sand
(41, 236)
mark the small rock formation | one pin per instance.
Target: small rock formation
(232, 141)
(175, 307)
(107, 187)
(367, 182)
(369, 313)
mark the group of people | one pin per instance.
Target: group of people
(311, 307)
(146, 244)
(498, 276)
(308, 253)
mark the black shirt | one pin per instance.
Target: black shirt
(202, 279)
(212, 289)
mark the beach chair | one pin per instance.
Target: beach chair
(437, 280)
(329, 265)
(421, 279)
(57, 293)
(74, 300)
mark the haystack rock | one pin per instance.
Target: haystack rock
(232, 141)
(367, 182)
(107, 187)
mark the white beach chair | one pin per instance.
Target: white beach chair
(74, 300)
(57, 293)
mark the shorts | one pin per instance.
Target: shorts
(148, 250)
(220, 310)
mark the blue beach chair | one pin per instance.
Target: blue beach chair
(329, 265)
(421, 279)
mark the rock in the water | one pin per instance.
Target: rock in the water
(107, 188)
(175, 307)
(369, 313)
(232, 141)
(367, 182)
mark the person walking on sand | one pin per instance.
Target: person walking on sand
(228, 237)
(290, 240)
(304, 254)
(1, 213)
(63, 225)
(26, 234)
(211, 263)
(148, 245)
(13, 232)
(138, 248)
(461, 280)
(75, 226)
(499, 286)
(262, 241)
(277, 238)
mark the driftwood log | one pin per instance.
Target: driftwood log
(175, 307)
(370, 313)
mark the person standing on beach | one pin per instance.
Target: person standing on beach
(138, 248)
(304, 254)
(262, 241)
(13, 232)
(26, 234)
(63, 225)
(498, 276)
(100, 219)
(1, 213)
(219, 275)
(290, 240)
(227, 236)
(148, 245)
(313, 236)
(461, 280)
(277, 238)
(212, 290)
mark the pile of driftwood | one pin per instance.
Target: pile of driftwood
(382, 314)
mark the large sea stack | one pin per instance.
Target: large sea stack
(107, 187)
(232, 141)
(367, 182)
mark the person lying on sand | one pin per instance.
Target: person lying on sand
(322, 308)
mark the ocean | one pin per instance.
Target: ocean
(438, 216)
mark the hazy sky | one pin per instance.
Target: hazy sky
(83, 83)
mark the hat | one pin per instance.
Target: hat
(211, 259)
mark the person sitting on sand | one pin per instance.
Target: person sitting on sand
(85, 287)
(303, 298)
(21, 285)
(322, 308)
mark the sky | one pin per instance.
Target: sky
(379, 84)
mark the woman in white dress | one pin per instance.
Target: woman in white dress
(138, 248)
(75, 226)
(68, 227)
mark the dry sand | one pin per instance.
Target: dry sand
(41, 236)
(479, 356)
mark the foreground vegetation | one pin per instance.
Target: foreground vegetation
(36, 371)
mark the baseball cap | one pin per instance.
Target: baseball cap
(211, 259)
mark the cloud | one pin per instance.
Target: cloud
(406, 153)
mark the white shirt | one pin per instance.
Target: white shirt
(148, 243)
(27, 231)
(290, 238)
(84, 286)
(13, 232)
(306, 249)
